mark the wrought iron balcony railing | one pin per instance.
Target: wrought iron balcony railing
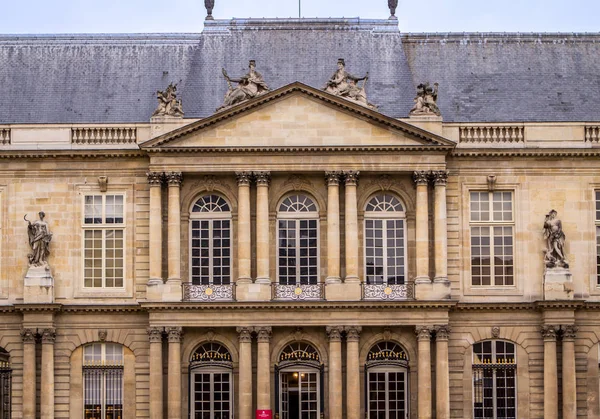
(384, 292)
(302, 292)
(207, 293)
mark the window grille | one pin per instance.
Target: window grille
(103, 381)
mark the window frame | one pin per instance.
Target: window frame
(298, 216)
(211, 217)
(103, 226)
(385, 215)
(101, 366)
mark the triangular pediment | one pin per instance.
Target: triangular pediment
(297, 116)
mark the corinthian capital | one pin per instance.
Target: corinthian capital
(175, 334)
(549, 331)
(351, 177)
(244, 334)
(353, 333)
(49, 335)
(442, 332)
(421, 177)
(155, 334)
(423, 333)
(174, 178)
(263, 334)
(333, 178)
(569, 332)
(334, 333)
(262, 178)
(243, 178)
(155, 178)
(28, 335)
(439, 177)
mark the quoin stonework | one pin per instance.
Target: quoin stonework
(312, 218)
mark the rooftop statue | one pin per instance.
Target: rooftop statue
(39, 240)
(344, 84)
(168, 104)
(392, 4)
(555, 242)
(209, 4)
(425, 101)
(249, 86)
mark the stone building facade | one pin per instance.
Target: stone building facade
(297, 251)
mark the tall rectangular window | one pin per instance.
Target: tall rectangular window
(597, 195)
(492, 238)
(103, 241)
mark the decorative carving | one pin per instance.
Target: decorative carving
(210, 334)
(298, 334)
(298, 292)
(495, 332)
(263, 334)
(103, 183)
(49, 335)
(249, 86)
(344, 84)
(423, 332)
(193, 292)
(211, 182)
(244, 334)
(174, 333)
(262, 178)
(155, 334)
(385, 182)
(174, 178)
(351, 177)
(425, 101)
(334, 333)
(569, 332)
(549, 331)
(298, 182)
(353, 333)
(28, 335)
(392, 4)
(555, 242)
(102, 334)
(209, 4)
(243, 178)
(39, 240)
(442, 332)
(439, 177)
(168, 104)
(491, 183)
(155, 178)
(388, 292)
(333, 178)
(387, 333)
(421, 177)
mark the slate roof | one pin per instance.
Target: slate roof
(113, 78)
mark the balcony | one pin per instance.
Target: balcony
(383, 292)
(302, 292)
(208, 293)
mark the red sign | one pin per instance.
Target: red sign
(264, 414)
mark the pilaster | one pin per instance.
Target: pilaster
(569, 383)
(332, 179)
(156, 372)
(47, 381)
(424, 372)
(423, 287)
(549, 333)
(29, 381)
(442, 372)
(245, 372)
(441, 285)
(335, 371)
(352, 372)
(262, 227)
(174, 336)
(173, 290)
(155, 281)
(351, 233)
(263, 368)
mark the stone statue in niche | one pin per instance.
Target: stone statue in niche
(426, 101)
(345, 85)
(39, 240)
(555, 242)
(168, 104)
(249, 86)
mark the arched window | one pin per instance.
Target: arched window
(210, 241)
(385, 240)
(494, 380)
(5, 384)
(211, 385)
(387, 381)
(299, 380)
(103, 381)
(298, 241)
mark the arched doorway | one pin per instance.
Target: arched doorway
(386, 376)
(299, 382)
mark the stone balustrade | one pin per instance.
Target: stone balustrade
(592, 133)
(492, 134)
(103, 135)
(4, 136)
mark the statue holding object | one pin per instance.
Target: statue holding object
(344, 84)
(168, 104)
(39, 240)
(249, 86)
(555, 242)
(426, 101)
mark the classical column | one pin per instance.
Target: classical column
(424, 372)
(156, 372)
(440, 228)
(262, 227)
(245, 374)
(333, 227)
(244, 244)
(352, 372)
(263, 368)
(335, 372)
(47, 382)
(174, 335)
(351, 218)
(421, 179)
(155, 179)
(174, 180)
(569, 386)
(28, 337)
(550, 372)
(442, 373)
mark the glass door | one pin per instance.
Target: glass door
(387, 395)
(299, 395)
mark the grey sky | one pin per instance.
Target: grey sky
(130, 16)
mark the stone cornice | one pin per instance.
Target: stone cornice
(37, 307)
(292, 305)
(71, 154)
(299, 149)
(88, 308)
(524, 152)
(499, 37)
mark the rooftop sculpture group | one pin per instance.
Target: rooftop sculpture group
(426, 100)
(344, 84)
(249, 86)
(168, 104)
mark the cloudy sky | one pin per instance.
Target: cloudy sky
(132, 16)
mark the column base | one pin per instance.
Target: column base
(343, 292)
(154, 289)
(244, 280)
(265, 280)
(247, 291)
(558, 284)
(352, 280)
(172, 290)
(422, 280)
(333, 280)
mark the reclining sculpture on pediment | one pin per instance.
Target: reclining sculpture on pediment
(168, 104)
(344, 84)
(426, 101)
(249, 86)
